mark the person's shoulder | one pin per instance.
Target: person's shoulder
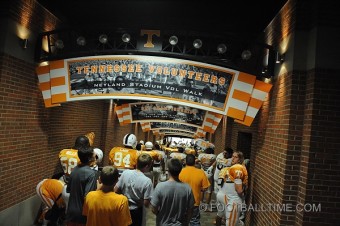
(131, 171)
(115, 149)
(149, 181)
(127, 172)
(87, 169)
(191, 168)
(65, 150)
(199, 171)
(93, 194)
(144, 178)
(184, 170)
(185, 186)
(62, 151)
(163, 185)
(220, 155)
(119, 197)
(69, 153)
(224, 171)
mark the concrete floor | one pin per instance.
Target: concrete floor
(207, 218)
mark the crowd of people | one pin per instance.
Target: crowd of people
(173, 180)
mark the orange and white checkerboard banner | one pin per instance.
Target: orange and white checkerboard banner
(258, 96)
(199, 133)
(126, 111)
(124, 114)
(43, 73)
(239, 95)
(208, 121)
(216, 121)
(59, 85)
(145, 126)
(211, 121)
(118, 110)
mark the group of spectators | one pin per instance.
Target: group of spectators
(172, 181)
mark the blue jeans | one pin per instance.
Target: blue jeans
(196, 216)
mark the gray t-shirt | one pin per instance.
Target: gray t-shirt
(172, 199)
(135, 186)
(82, 180)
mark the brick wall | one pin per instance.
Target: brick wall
(296, 162)
(236, 128)
(27, 153)
(31, 136)
(319, 179)
(30, 14)
(73, 119)
(283, 24)
(28, 127)
(218, 139)
(23, 142)
(108, 130)
(298, 139)
(268, 159)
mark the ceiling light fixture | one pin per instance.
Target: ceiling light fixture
(59, 44)
(81, 41)
(221, 48)
(246, 54)
(197, 43)
(126, 37)
(173, 40)
(216, 49)
(103, 39)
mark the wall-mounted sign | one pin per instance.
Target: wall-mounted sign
(158, 78)
(178, 133)
(150, 78)
(156, 111)
(172, 125)
(177, 128)
(184, 117)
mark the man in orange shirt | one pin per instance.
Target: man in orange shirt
(104, 207)
(198, 183)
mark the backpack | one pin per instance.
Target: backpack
(55, 212)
